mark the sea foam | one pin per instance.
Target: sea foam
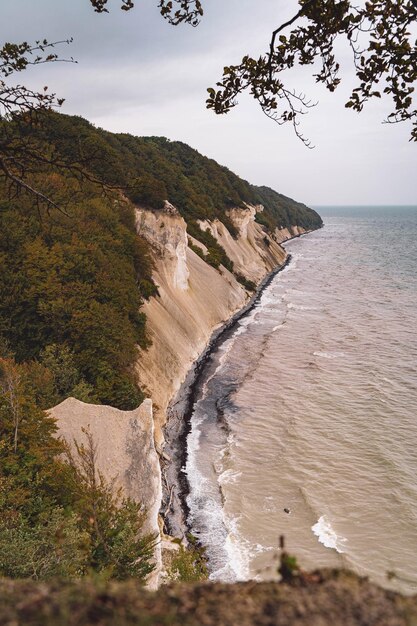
(329, 355)
(327, 535)
(301, 307)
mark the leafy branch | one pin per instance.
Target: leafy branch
(175, 11)
(379, 36)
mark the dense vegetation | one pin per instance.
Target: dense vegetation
(282, 211)
(154, 169)
(73, 280)
(59, 517)
(71, 285)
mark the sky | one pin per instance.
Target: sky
(137, 74)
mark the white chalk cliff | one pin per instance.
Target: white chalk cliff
(194, 297)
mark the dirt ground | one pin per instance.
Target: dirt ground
(329, 598)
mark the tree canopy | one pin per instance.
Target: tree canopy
(379, 34)
(73, 281)
(58, 516)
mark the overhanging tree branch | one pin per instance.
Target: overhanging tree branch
(378, 33)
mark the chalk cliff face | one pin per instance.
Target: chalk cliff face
(125, 452)
(253, 253)
(195, 298)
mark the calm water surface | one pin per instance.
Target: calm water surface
(311, 405)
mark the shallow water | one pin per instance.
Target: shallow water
(311, 405)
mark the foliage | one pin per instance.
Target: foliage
(54, 547)
(60, 361)
(216, 255)
(288, 568)
(29, 471)
(282, 212)
(56, 377)
(175, 11)
(249, 285)
(112, 523)
(158, 169)
(59, 518)
(19, 110)
(73, 280)
(64, 307)
(16, 58)
(288, 565)
(189, 564)
(149, 191)
(199, 251)
(380, 36)
(379, 33)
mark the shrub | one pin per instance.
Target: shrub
(189, 564)
(149, 191)
(118, 548)
(248, 284)
(54, 547)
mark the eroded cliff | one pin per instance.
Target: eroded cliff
(194, 297)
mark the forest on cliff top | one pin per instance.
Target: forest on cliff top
(74, 274)
(154, 169)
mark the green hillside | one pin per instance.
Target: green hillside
(153, 169)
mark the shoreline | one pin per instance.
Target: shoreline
(174, 508)
(175, 488)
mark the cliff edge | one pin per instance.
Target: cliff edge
(194, 298)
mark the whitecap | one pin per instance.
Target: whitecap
(228, 477)
(268, 297)
(329, 355)
(238, 551)
(300, 307)
(327, 535)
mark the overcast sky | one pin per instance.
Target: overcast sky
(137, 74)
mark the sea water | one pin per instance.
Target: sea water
(310, 405)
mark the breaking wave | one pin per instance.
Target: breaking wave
(327, 535)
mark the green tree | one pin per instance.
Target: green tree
(60, 518)
(70, 296)
(60, 360)
(29, 451)
(379, 33)
(149, 191)
(54, 547)
(114, 524)
(188, 564)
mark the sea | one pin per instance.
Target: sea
(305, 421)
